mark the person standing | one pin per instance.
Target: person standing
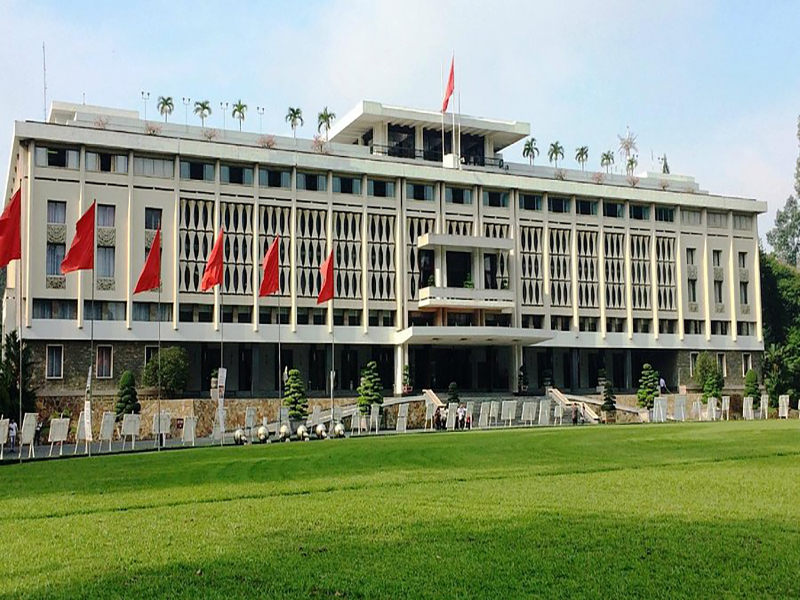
(37, 435)
(575, 413)
(12, 434)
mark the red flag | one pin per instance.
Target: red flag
(214, 268)
(150, 278)
(451, 85)
(271, 282)
(80, 255)
(10, 236)
(326, 291)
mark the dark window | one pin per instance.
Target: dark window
(641, 325)
(588, 323)
(665, 214)
(419, 191)
(693, 327)
(530, 201)
(667, 325)
(560, 323)
(615, 324)
(274, 178)
(197, 171)
(236, 174)
(639, 212)
(533, 321)
(55, 309)
(152, 218)
(346, 185)
(380, 188)
(614, 210)
(586, 207)
(453, 195)
(102, 310)
(557, 204)
(313, 182)
(495, 198)
(55, 254)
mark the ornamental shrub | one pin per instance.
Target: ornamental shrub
(127, 397)
(648, 386)
(294, 396)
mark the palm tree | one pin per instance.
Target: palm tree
(582, 155)
(607, 159)
(165, 106)
(555, 152)
(294, 116)
(627, 144)
(631, 164)
(325, 119)
(239, 110)
(202, 109)
(529, 150)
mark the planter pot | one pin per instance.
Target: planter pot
(407, 389)
(295, 423)
(609, 416)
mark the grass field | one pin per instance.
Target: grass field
(659, 510)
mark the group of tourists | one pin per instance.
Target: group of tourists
(463, 420)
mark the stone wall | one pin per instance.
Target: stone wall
(733, 361)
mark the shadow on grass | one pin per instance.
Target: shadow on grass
(543, 554)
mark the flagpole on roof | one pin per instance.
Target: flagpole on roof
(158, 316)
(441, 95)
(91, 324)
(19, 328)
(453, 149)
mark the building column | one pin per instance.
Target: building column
(400, 351)
(517, 360)
(628, 370)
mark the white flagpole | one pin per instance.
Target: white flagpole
(19, 337)
(92, 357)
(280, 364)
(455, 154)
(158, 316)
(441, 95)
(333, 352)
(222, 347)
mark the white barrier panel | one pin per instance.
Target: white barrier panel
(131, 425)
(430, 412)
(763, 409)
(697, 410)
(747, 408)
(680, 408)
(250, 418)
(107, 429)
(783, 406)
(3, 435)
(509, 411)
(452, 407)
(544, 412)
(558, 414)
(28, 433)
(375, 417)
(659, 410)
(402, 418)
(494, 411)
(161, 427)
(528, 412)
(59, 430)
(483, 417)
(726, 408)
(189, 430)
(712, 409)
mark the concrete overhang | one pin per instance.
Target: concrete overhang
(470, 336)
(464, 242)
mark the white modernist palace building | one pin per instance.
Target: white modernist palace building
(460, 266)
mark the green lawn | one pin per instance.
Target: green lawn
(660, 510)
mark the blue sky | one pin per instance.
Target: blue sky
(715, 85)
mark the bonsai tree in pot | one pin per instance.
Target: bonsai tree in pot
(609, 406)
(294, 398)
(407, 385)
(522, 379)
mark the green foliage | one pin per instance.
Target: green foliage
(452, 392)
(370, 391)
(648, 386)
(9, 377)
(294, 396)
(751, 384)
(522, 378)
(468, 283)
(708, 376)
(127, 397)
(609, 398)
(174, 371)
(784, 237)
(406, 375)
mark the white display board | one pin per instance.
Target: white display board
(28, 433)
(544, 412)
(59, 430)
(527, 412)
(452, 407)
(494, 411)
(747, 408)
(763, 409)
(4, 431)
(189, 430)
(162, 425)
(483, 417)
(659, 410)
(107, 427)
(131, 425)
(680, 408)
(783, 407)
(726, 408)
(712, 409)
(509, 411)
(250, 417)
(375, 417)
(87, 418)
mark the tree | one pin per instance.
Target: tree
(127, 397)
(238, 112)
(631, 164)
(708, 377)
(627, 144)
(648, 386)
(529, 150)
(606, 160)
(555, 152)
(294, 116)
(609, 398)
(325, 119)
(582, 155)
(452, 392)
(174, 363)
(9, 374)
(664, 165)
(294, 396)
(202, 109)
(165, 106)
(784, 237)
(751, 384)
(370, 391)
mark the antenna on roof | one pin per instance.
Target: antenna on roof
(44, 80)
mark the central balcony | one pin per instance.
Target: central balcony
(464, 242)
(466, 298)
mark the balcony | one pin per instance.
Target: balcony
(466, 243)
(466, 298)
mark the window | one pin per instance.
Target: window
(530, 201)
(153, 167)
(690, 254)
(236, 174)
(57, 157)
(454, 195)
(639, 212)
(197, 171)
(380, 188)
(495, 198)
(718, 292)
(691, 289)
(722, 364)
(742, 260)
(105, 215)
(691, 217)
(743, 293)
(588, 324)
(105, 362)
(313, 182)
(693, 327)
(716, 258)
(558, 204)
(613, 210)
(104, 162)
(274, 178)
(665, 214)
(747, 363)
(667, 326)
(55, 362)
(586, 207)
(148, 311)
(105, 261)
(743, 222)
(717, 220)
(55, 254)
(558, 323)
(419, 191)
(56, 212)
(719, 327)
(533, 321)
(55, 309)
(104, 310)
(615, 324)
(150, 353)
(745, 328)
(693, 356)
(152, 218)
(346, 185)
(642, 325)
